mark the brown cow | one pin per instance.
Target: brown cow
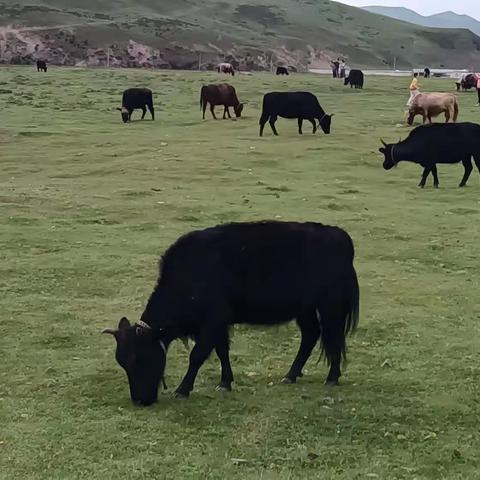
(433, 104)
(221, 94)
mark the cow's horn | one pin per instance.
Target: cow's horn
(383, 143)
(111, 331)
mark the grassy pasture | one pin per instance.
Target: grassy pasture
(89, 204)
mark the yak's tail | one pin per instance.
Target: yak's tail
(338, 316)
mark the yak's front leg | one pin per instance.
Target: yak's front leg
(200, 352)
(423, 180)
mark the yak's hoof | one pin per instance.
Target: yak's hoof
(462, 185)
(435, 186)
(288, 380)
(181, 395)
(332, 383)
(222, 387)
(421, 186)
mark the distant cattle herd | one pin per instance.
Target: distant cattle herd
(271, 272)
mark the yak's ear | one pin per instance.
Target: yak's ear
(123, 324)
(381, 150)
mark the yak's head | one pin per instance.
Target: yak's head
(326, 123)
(388, 152)
(125, 114)
(142, 354)
(238, 110)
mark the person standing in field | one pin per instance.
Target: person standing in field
(478, 88)
(414, 88)
(342, 68)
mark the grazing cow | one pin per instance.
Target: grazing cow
(355, 79)
(433, 104)
(226, 68)
(41, 66)
(300, 105)
(426, 72)
(282, 71)
(260, 273)
(134, 98)
(428, 145)
(222, 94)
(467, 82)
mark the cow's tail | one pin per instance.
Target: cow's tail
(455, 110)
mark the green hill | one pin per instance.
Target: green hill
(184, 33)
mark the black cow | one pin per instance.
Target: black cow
(282, 71)
(467, 82)
(261, 273)
(355, 79)
(300, 105)
(428, 145)
(41, 66)
(426, 72)
(134, 98)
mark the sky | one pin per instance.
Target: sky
(425, 7)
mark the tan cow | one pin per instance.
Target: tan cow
(433, 104)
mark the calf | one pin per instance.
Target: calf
(261, 273)
(431, 105)
(136, 98)
(300, 105)
(282, 71)
(41, 66)
(222, 94)
(355, 79)
(428, 145)
(467, 82)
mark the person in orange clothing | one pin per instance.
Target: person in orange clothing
(414, 88)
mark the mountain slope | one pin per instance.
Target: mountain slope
(439, 20)
(184, 33)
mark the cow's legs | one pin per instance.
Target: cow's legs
(200, 352)
(204, 108)
(300, 123)
(425, 173)
(436, 183)
(212, 109)
(222, 348)
(262, 122)
(314, 123)
(467, 164)
(273, 119)
(226, 111)
(447, 115)
(151, 110)
(476, 158)
(310, 330)
(144, 111)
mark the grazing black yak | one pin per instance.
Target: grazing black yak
(134, 98)
(300, 105)
(261, 273)
(41, 66)
(282, 71)
(428, 145)
(355, 79)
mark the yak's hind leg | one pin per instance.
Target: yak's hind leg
(467, 164)
(476, 158)
(151, 110)
(222, 348)
(310, 330)
(144, 111)
(262, 122)
(436, 183)
(423, 180)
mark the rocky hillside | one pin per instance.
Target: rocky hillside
(192, 33)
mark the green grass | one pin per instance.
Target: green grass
(89, 204)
